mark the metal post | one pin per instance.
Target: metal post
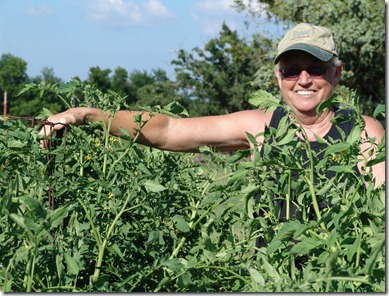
(5, 104)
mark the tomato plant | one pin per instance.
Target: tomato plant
(96, 213)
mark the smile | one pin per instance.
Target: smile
(305, 92)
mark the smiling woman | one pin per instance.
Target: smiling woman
(304, 47)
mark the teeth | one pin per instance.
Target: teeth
(305, 92)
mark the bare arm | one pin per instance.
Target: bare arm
(222, 132)
(373, 129)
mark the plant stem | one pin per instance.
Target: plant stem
(107, 128)
(356, 279)
(288, 196)
(103, 245)
(311, 179)
(30, 268)
(192, 224)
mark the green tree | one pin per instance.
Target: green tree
(12, 78)
(99, 78)
(32, 102)
(120, 81)
(218, 77)
(138, 79)
(162, 91)
(358, 27)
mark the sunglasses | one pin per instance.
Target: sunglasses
(293, 73)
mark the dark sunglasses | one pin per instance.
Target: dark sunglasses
(293, 73)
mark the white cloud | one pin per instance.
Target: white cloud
(210, 14)
(156, 8)
(37, 11)
(126, 12)
(215, 7)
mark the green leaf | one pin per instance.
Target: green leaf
(57, 216)
(152, 186)
(288, 137)
(19, 220)
(341, 169)
(378, 110)
(71, 264)
(238, 155)
(16, 144)
(271, 271)
(116, 249)
(305, 246)
(264, 100)
(273, 246)
(175, 264)
(184, 280)
(379, 157)
(256, 277)
(238, 175)
(355, 135)
(336, 148)
(320, 140)
(331, 101)
(181, 224)
(252, 138)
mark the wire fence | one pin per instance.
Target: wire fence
(50, 146)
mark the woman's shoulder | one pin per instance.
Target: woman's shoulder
(373, 127)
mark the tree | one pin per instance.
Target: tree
(359, 29)
(162, 92)
(137, 79)
(12, 78)
(99, 78)
(154, 89)
(33, 101)
(120, 81)
(218, 77)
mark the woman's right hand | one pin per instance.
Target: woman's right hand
(74, 116)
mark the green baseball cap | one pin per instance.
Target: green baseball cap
(316, 40)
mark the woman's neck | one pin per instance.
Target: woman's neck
(316, 124)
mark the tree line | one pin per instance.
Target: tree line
(219, 77)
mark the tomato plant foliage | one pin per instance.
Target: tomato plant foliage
(99, 213)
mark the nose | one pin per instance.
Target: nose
(304, 77)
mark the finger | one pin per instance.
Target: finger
(47, 132)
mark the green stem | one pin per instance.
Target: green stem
(117, 161)
(288, 195)
(81, 163)
(30, 270)
(359, 245)
(226, 270)
(314, 199)
(95, 234)
(192, 224)
(125, 152)
(356, 279)
(107, 128)
(311, 179)
(108, 236)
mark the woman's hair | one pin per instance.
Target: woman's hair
(336, 62)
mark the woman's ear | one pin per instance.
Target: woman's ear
(338, 73)
(278, 75)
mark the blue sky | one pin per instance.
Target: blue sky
(70, 36)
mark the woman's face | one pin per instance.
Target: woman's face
(305, 81)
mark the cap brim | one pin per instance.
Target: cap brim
(311, 49)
